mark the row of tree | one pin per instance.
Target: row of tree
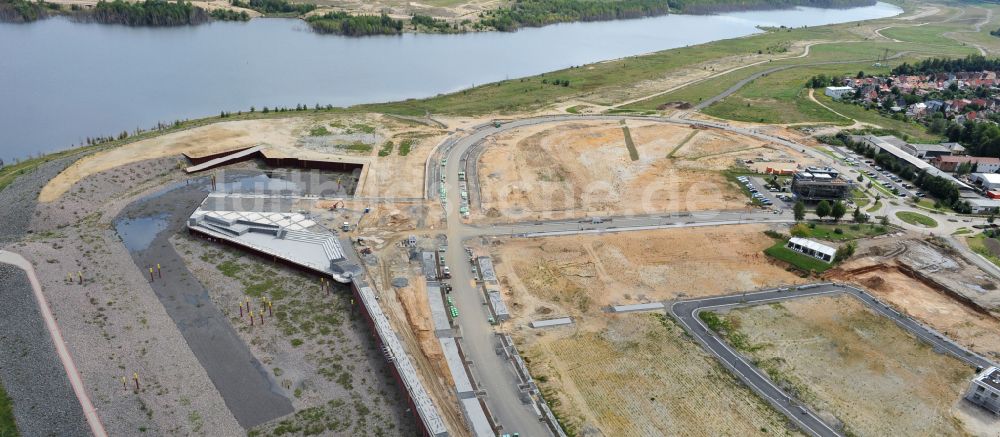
(948, 65)
(944, 190)
(342, 23)
(282, 7)
(536, 13)
(146, 13)
(24, 11)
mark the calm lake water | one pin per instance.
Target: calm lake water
(61, 82)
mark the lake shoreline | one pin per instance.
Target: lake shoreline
(83, 12)
(191, 72)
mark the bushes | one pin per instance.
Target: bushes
(342, 23)
(147, 13)
(229, 15)
(274, 6)
(536, 13)
(24, 11)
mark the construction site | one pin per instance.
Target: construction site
(381, 275)
(588, 168)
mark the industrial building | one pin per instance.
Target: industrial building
(820, 183)
(984, 390)
(926, 151)
(987, 181)
(894, 146)
(811, 248)
(837, 92)
(982, 164)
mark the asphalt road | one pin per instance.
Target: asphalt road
(686, 312)
(630, 223)
(496, 376)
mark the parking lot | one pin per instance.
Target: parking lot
(880, 175)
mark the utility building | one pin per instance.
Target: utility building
(984, 390)
(820, 183)
(811, 248)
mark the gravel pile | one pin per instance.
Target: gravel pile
(20, 197)
(44, 403)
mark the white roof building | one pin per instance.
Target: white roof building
(988, 181)
(837, 92)
(816, 250)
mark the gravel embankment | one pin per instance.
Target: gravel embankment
(20, 197)
(44, 402)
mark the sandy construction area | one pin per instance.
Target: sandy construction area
(855, 367)
(578, 275)
(583, 168)
(293, 137)
(642, 376)
(959, 322)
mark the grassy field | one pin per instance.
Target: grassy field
(847, 231)
(803, 262)
(644, 365)
(914, 131)
(916, 218)
(978, 245)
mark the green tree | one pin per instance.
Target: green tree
(823, 209)
(845, 251)
(837, 210)
(859, 217)
(800, 211)
(861, 178)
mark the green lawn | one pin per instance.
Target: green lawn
(915, 131)
(929, 204)
(977, 245)
(915, 218)
(803, 262)
(7, 426)
(848, 231)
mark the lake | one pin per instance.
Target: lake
(61, 81)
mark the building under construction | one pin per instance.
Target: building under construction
(820, 183)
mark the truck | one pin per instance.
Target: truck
(346, 227)
(461, 176)
(446, 272)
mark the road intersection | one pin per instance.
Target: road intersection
(496, 376)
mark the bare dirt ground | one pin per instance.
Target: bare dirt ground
(293, 136)
(409, 312)
(640, 375)
(855, 367)
(634, 364)
(580, 274)
(970, 323)
(578, 169)
(314, 342)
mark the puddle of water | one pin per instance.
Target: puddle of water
(139, 233)
(294, 182)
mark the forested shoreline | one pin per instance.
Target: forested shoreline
(505, 18)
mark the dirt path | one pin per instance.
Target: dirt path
(805, 52)
(72, 373)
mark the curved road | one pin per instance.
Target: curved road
(686, 312)
(495, 376)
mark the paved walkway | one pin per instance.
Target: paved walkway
(96, 427)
